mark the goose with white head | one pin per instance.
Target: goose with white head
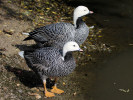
(58, 34)
(52, 62)
(82, 30)
(79, 12)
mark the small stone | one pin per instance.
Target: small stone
(85, 47)
(18, 84)
(20, 91)
(74, 93)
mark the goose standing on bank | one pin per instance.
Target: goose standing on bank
(52, 62)
(58, 34)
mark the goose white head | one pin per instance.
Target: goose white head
(79, 12)
(70, 46)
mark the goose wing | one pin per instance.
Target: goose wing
(57, 32)
(41, 59)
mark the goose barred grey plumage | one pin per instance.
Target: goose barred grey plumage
(48, 62)
(54, 34)
(82, 31)
(59, 33)
(52, 62)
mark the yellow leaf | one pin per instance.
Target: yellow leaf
(90, 38)
(25, 6)
(30, 10)
(47, 8)
(99, 36)
(64, 83)
(41, 17)
(47, 2)
(54, 12)
(100, 31)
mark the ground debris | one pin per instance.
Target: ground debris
(2, 49)
(64, 83)
(35, 89)
(9, 32)
(123, 90)
(74, 93)
(35, 94)
(18, 84)
(131, 44)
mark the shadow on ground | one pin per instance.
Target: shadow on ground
(28, 78)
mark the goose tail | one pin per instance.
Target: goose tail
(21, 54)
(25, 33)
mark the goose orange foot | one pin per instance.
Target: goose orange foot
(49, 94)
(56, 90)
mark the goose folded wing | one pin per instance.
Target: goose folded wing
(41, 59)
(53, 32)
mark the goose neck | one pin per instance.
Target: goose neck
(77, 22)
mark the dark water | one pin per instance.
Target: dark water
(114, 81)
(115, 72)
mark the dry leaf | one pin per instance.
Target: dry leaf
(64, 83)
(35, 94)
(8, 32)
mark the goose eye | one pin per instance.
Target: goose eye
(73, 45)
(84, 10)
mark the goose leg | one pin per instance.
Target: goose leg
(47, 94)
(55, 89)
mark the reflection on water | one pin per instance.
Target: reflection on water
(114, 73)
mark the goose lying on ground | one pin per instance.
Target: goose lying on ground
(59, 33)
(52, 62)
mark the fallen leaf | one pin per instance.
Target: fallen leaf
(35, 94)
(38, 96)
(34, 89)
(8, 32)
(47, 8)
(99, 36)
(64, 83)
(54, 12)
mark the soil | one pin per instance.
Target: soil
(11, 28)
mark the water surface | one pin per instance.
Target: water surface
(113, 71)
